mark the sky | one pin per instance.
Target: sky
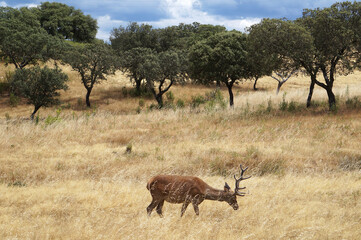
(233, 14)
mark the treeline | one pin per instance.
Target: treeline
(321, 43)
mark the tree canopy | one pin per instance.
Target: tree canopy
(23, 40)
(66, 22)
(221, 57)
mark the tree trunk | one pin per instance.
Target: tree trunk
(279, 87)
(159, 99)
(218, 84)
(229, 86)
(35, 110)
(254, 85)
(138, 84)
(87, 100)
(309, 98)
(331, 99)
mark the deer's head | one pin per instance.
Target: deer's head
(231, 197)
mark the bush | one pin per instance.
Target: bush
(197, 101)
(170, 97)
(291, 106)
(14, 100)
(283, 105)
(352, 103)
(40, 86)
(180, 103)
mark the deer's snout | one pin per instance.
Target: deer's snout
(235, 206)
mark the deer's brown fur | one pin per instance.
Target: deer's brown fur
(188, 189)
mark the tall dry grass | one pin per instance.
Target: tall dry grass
(69, 176)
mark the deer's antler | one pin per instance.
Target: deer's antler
(237, 188)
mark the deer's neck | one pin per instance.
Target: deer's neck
(215, 194)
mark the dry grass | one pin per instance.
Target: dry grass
(71, 179)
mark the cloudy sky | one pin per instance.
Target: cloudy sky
(233, 14)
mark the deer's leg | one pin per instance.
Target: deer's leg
(184, 207)
(159, 208)
(195, 204)
(196, 209)
(151, 206)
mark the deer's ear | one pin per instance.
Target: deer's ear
(226, 187)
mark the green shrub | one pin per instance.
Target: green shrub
(283, 105)
(292, 106)
(352, 103)
(14, 100)
(170, 97)
(197, 101)
(180, 103)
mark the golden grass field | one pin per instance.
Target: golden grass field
(71, 178)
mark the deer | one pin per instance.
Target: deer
(190, 189)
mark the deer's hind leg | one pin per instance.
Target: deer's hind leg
(152, 205)
(159, 208)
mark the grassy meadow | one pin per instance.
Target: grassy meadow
(68, 176)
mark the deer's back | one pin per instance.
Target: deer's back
(175, 189)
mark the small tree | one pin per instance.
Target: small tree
(162, 70)
(269, 44)
(130, 63)
(40, 86)
(222, 57)
(93, 62)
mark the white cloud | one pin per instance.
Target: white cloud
(106, 24)
(189, 11)
(179, 11)
(3, 4)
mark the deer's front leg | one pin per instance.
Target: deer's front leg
(196, 209)
(195, 204)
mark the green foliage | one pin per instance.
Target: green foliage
(180, 103)
(197, 100)
(93, 62)
(17, 184)
(220, 57)
(129, 148)
(133, 36)
(40, 86)
(66, 22)
(14, 100)
(52, 119)
(141, 103)
(353, 103)
(23, 41)
(211, 100)
(170, 97)
(163, 69)
(284, 104)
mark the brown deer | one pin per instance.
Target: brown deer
(187, 189)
